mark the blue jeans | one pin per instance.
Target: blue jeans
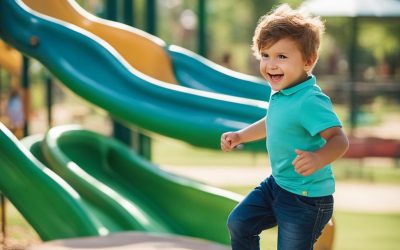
(300, 219)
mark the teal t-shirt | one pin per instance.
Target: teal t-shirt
(295, 117)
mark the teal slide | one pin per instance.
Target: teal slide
(75, 183)
(94, 71)
(194, 71)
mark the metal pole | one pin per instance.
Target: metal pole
(3, 219)
(49, 93)
(111, 10)
(151, 16)
(25, 89)
(120, 132)
(353, 75)
(202, 32)
(143, 141)
(129, 17)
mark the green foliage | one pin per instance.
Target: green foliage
(293, 3)
(377, 38)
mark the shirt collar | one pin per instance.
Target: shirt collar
(311, 81)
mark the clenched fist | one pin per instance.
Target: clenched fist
(229, 141)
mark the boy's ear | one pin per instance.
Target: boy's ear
(310, 62)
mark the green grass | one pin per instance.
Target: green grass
(367, 231)
(354, 231)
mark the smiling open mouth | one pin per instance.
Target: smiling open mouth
(275, 77)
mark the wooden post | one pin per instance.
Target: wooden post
(3, 219)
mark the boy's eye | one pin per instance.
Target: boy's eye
(264, 55)
(282, 57)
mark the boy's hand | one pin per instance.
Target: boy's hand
(229, 141)
(306, 162)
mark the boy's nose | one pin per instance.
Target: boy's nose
(272, 65)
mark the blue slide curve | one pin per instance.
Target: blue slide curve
(93, 70)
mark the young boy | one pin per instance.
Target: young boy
(303, 135)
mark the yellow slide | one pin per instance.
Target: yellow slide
(139, 49)
(150, 57)
(10, 59)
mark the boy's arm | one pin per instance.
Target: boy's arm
(336, 145)
(253, 132)
(250, 133)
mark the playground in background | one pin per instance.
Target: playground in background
(99, 185)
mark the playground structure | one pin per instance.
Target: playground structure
(97, 186)
(152, 57)
(95, 71)
(189, 98)
(373, 147)
(10, 59)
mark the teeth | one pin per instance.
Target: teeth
(276, 77)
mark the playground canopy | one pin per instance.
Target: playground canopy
(356, 10)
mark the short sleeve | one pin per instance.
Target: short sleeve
(317, 114)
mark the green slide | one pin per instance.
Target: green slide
(135, 194)
(96, 186)
(74, 183)
(47, 202)
(94, 70)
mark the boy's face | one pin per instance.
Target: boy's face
(282, 64)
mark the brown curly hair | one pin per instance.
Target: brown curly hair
(285, 22)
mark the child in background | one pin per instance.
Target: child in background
(303, 134)
(15, 112)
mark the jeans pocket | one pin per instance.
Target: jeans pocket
(325, 203)
(315, 203)
(325, 212)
